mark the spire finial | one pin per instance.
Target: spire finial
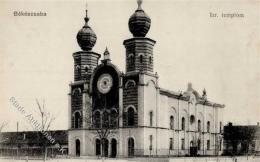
(204, 92)
(139, 2)
(106, 56)
(86, 18)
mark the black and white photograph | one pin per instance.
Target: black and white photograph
(130, 80)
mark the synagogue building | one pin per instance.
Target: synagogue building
(125, 114)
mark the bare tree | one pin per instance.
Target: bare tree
(46, 120)
(46, 117)
(2, 126)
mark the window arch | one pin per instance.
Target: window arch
(130, 116)
(76, 92)
(220, 127)
(171, 122)
(114, 118)
(77, 119)
(182, 143)
(199, 126)
(192, 119)
(130, 83)
(191, 143)
(182, 123)
(208, 144)
(151, 118)
(208, 126)
(131, 59)
(97, 119)
(141, 57)
(86, 68)
(105, 119)
(199, 144)
(151, 142)
(78, 69)
(171, 144)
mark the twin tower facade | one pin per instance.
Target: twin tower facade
(116, 114)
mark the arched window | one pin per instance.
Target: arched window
(151, 142)
(182, 123)
(150, 60)
(208, 126)
(220, 144)
(191, 143)
(77, 120)
(131, 60)
(192, 119)
(171, 122)
(208, 144)
(78, 70)
(199, 144)
(113, 119)
(105, 119)
(182, 144)
(98, 147)
(131, 146)
(141, 58)
(220, 127)
(86, 68)
(76, 92)
(199, 126)
(130, 117)
(130, 84)
(97, 119)
(171, 144)
(151, 118)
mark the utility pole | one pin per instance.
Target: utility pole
(17, 129)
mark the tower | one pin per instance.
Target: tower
(140, 86)
(139, 49)
(85, 61)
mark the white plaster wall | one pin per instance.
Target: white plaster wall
(137, 134)
(150, 100)
(163, 113)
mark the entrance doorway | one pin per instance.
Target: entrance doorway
(131, 147)
(113, 148)
(77, 147)
(193, 149)
(98, 147)
(105, 149)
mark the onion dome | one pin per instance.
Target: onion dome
(86, 37)
(139, 23)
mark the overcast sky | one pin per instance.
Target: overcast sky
(218, 54)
